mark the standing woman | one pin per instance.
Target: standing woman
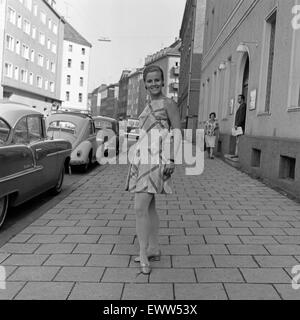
(147, 180)
(211, 128)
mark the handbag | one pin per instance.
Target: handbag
(237, 132)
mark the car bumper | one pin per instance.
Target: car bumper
(77, 162)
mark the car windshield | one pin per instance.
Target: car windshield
(62, 126)
(4, 131)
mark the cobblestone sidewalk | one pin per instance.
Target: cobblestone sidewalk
(223, 236)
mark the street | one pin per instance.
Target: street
(223, 236)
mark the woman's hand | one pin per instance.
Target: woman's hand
(169, 169)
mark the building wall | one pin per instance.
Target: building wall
(278, 130)
(51, 53)
(2, 28)
(75, 72)
(136, 95)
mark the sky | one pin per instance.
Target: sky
(136, 28)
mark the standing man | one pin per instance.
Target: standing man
(240, 120)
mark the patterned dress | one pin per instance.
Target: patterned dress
(150, 178)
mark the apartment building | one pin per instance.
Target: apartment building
(75, 71)
(31, 38)
(123, 94)
(252, 48)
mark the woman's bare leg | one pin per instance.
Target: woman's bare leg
(154, 228)
(142, 204)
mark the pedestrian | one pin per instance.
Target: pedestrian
(148, 180)
(240, 121)
(211, 130)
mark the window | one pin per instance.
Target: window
(49, 44)
(39, 81)
(52, 66)
(31, 78)
(12, 15)
(21, 132)
(272, 22)
(69, 63)
(41, 60)
(256, 158)
(46, 84)
(19, 21)
(54, 48)
(47, 64)
(35, 9)
(68, 79)
(18, 47)
(83, 51)
(8, 70)
(25, 52)
(10, 43)
(43, 17)
(67, 96)
(55, 28)
(81, 82)
(287, 168)
(24, 75)
(33, 32)
(42, 38)
(80, 97)
(34, 128)
(4, 131)
(52, 86)
(70, 48)
(32, 55)
(26, 27)
(28, 4)
(82, 65)
(16, 75)
(50, 24)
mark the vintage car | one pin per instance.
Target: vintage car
(30, 163)
(107, 135)
(79, 129)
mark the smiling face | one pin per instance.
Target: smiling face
(154, 83)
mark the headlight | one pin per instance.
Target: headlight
(79, 154)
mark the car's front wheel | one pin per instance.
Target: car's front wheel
(58, 187)
(3, 209)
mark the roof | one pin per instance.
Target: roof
(76, 119)
(74, 36)
(12, 112)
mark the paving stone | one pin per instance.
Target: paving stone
(103, 230)
(40, 223)
(81, 239)
(176, 275)
(80, 274)
(148, 292)
(30, 274)
(287, 292)
(55, 248)
(208, 249)
(276, 261)
(74, 211)
(234, 261)
(200, 292)
(121, 223)
(67, 260)
(128, 231)
(20, 238)
(62, 223)
(288, 239)
(247, 291)
(266, 275)
(95, 291)
(12, 289)
(187, 240)
(45, 291)
(283, 250)
(201, 231)
(127, 275)
(46, 239)
(71, 230)
(274, 224)
(18, 248)
(116, 239)
(172, 232)
(258, 240)
(192, 262)
(108, 261)
(236, 249)
(235, 231)
(267, 231)
(3, 256)
(220, 239)
(125, 249)
(93, 248)
(219, 275)
(25, 260)
(38, 230)
(292, 231)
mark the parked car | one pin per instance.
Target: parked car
(107, 130)
(79, 129)
(30, 163)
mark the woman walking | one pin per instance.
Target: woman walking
(211, 128)
(148, 179)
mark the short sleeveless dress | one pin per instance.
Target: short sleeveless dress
(149, 178)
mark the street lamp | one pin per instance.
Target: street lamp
(103, 39)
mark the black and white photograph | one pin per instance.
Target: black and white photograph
(149, 154)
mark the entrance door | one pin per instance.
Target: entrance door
(246, 79)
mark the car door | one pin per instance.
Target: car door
(44, 150)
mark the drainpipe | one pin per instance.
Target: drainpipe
(194, 6)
